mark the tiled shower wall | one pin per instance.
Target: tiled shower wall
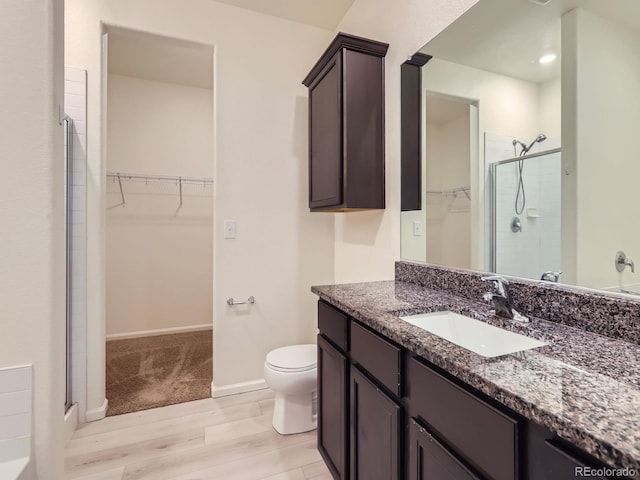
(15, 403)
(535, 249)
(75, 100)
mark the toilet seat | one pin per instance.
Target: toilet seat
(294, 358)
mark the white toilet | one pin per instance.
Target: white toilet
(291, 372)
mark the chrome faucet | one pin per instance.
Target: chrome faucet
(501, 299)
(622, 261)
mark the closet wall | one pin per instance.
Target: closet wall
(159, 255)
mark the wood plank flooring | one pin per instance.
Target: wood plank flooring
(229, 438)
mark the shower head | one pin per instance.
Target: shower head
(525, 149)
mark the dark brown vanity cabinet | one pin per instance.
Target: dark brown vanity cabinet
(346, 126)
(360, 416)
(375, 431)
(550, 457)
(464, 434)
(376, 416)
(386, 414)
(333, 390)
(430, 459)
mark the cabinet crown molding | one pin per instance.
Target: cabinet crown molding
(351, 42)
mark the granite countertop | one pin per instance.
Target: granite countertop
(582, 386)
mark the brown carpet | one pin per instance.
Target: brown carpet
(151, 372)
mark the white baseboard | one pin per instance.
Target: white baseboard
(97, 413)
(243, 387)
(70, 422)
(159, 331)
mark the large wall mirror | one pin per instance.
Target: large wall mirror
(529, 159)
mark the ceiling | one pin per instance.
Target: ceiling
(158, 58)
(319, 13)
(154, 57)
(508, 36)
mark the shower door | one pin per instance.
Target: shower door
(526, 215)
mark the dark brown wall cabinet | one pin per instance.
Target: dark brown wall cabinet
(346, 126)
(411, 132)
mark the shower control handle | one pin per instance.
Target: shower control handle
(622, 261)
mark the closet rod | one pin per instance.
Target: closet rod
(451, 191)
(160, 178)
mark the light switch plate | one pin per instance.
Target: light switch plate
(417, 228)
(229, 229)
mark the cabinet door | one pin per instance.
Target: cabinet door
(333, 405)
(375, 431)
(325, 139)
(486, 438)
(430, 460)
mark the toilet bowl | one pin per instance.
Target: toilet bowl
(291, 373)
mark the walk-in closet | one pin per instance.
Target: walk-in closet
(159, 221)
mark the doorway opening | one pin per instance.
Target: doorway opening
(159, 220)
(450, 158)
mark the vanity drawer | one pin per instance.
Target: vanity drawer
(484, 437)
(377, 356)
(334, 325)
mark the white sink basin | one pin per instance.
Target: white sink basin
(474, 335)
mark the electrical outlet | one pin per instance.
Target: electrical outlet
(417, 228)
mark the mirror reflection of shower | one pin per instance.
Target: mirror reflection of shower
(527, 245)
(520, 194)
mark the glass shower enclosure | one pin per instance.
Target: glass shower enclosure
(526, 215)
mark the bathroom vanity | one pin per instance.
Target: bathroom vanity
(397, 402)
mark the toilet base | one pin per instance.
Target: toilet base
(295, 413)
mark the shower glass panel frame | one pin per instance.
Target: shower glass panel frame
(496, 178)
(68, 197)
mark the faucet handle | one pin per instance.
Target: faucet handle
(622, 261)
(551, 276)
(500, 283)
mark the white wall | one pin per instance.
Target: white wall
(32, 213)
(550, 94)
(367, 243)
(448, 224)
(159, 258)
(260, 169)
(604, 166)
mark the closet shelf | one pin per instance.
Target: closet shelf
(134, 177)
(451, 191)
(175, 180)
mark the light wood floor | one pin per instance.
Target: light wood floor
(229, 438)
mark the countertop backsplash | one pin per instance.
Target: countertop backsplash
(608, 315)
